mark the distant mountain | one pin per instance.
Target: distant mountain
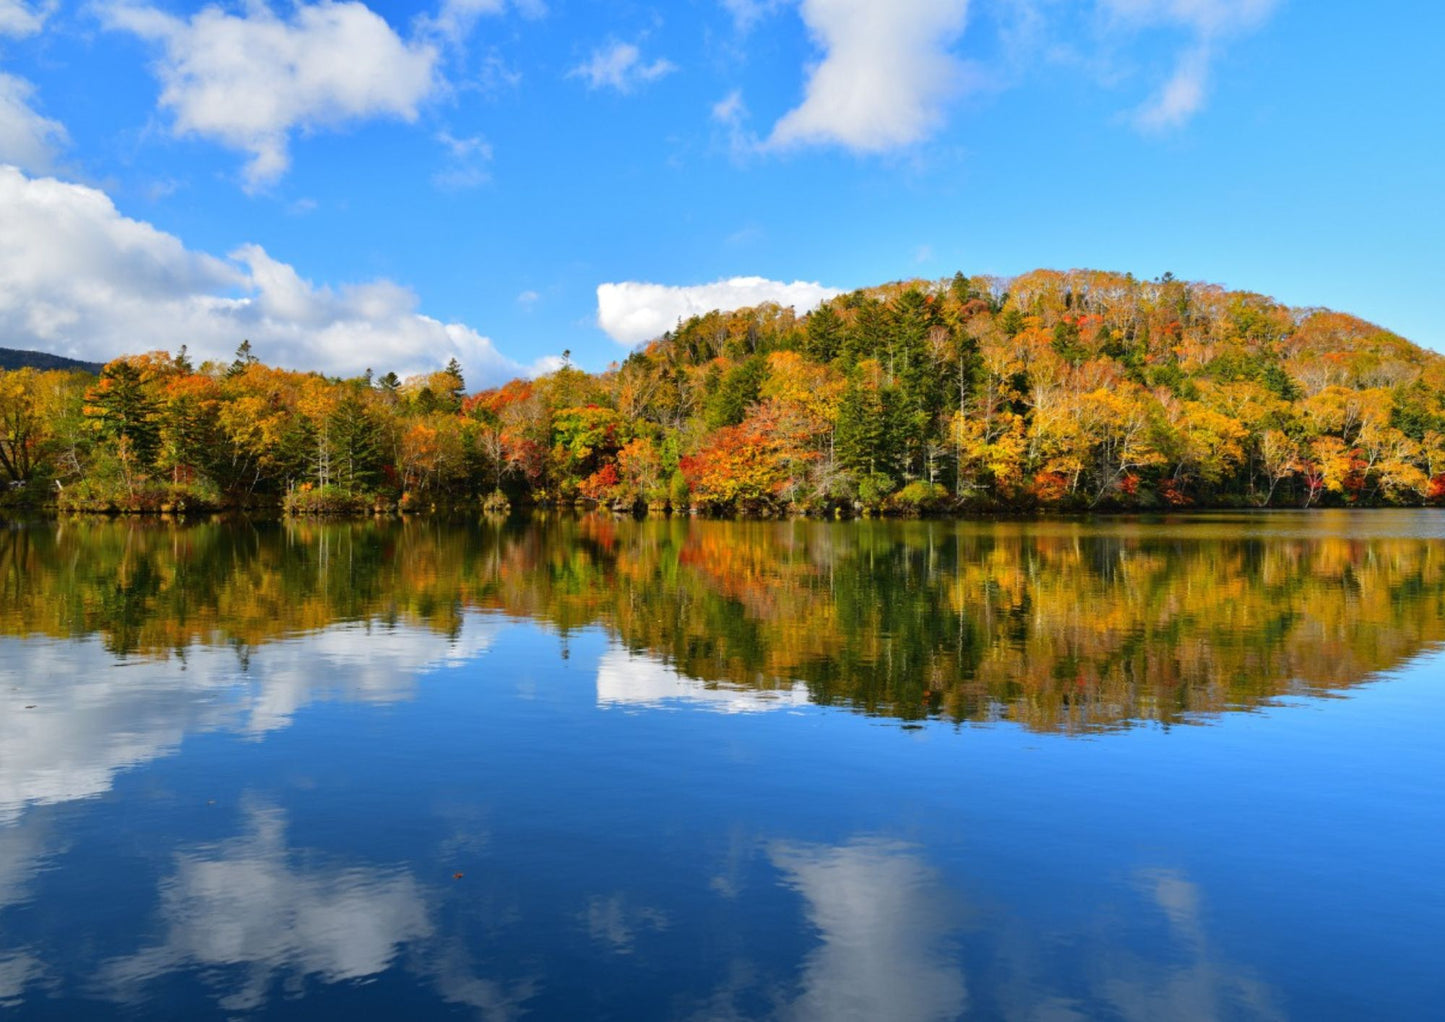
(13, 358)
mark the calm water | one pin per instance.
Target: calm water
(588, 768)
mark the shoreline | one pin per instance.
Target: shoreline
(453, 512)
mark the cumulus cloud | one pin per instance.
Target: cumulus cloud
(620, 66)
(885, 75)
(251, 80)
(1208, 23)
(79, 278)
(631, 312)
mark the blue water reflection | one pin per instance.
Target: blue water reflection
(506, 819)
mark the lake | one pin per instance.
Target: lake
(597, 768)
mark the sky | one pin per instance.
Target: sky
(387, 186)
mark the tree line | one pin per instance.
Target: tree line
(1070, 390)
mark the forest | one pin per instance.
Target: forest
(1068, 391)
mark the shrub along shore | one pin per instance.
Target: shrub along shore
(1053, 391)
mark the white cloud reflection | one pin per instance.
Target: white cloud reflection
(884, 922)
(253, 902)
(632, 679)
(76, 715)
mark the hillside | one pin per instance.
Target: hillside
(15, 358)
(1050, 391)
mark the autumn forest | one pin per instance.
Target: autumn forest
(1068, 391)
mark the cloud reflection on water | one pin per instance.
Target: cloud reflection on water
(94, 715)
(249, 903)
(639, 680)
(883, 918)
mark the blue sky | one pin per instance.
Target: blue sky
(391, 185)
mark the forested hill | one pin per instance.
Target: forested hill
(15, 358)
(1053, 390)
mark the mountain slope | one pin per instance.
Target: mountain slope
(15, 358)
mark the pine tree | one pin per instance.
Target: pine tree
(454, 370)
(867, 434)
(737, 392)
(243, 361)
(357, 441)
(823, 339)
(125, 411)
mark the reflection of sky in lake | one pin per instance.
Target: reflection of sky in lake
(79, 715)
(393, 822)
(245, 903)
(635, 679)
(878, 910)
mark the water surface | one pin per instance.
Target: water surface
(598, 768)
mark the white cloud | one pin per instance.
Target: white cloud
(732, 113)
(455, 19)
(885, 75)
(1208, 17)
(1181, 97)
(20, 19)
(730, 110)
(620, 66)
(747, 13)
(467, 162)
(1207, 22)
(78, 278)
(26, 138)
(251, 80)
(631, 312)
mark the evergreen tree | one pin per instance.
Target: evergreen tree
(454, 370)
(921, 387)
(243, 361)
(823, 338)
(357, 441)
(736, 393)
(124, 410)
(866, 437)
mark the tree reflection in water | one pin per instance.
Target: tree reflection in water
(1058, 625)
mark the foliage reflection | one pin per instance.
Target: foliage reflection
(1066, 625)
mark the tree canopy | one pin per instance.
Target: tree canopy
(1052, 390)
